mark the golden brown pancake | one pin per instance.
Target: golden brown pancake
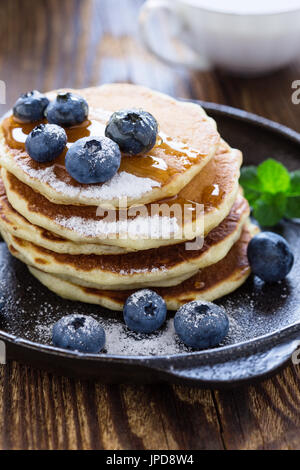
(188, 139)
(17, 225)
(163, 266)
(210, 283)
(216, 187)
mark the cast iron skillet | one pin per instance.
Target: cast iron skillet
(265, 319)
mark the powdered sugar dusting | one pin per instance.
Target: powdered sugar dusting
(120, 340)
(123, 184)
(124, 272)
(100, 114)
(136, 297)
(152, 227)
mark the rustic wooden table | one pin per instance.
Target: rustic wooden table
(60, 43)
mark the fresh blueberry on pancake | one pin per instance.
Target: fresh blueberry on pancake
(46, 142)
(144, 311)
(79, 333)
(30, 106)
(270, 257)
(93, 160)
(134, 130)
(67, 110)
(201, 325)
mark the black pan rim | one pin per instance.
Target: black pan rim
(255, 344)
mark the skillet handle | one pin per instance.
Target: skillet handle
(242, 369)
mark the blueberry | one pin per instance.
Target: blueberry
(270, 257)
(30, 106)
(134, 130)
(93, 160)
(67, 110)
(144, 311)
(46, 142)
(78, 333)
(201, 324)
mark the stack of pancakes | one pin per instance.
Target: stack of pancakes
(98, 243)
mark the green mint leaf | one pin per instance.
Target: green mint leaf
(292, 210)
(295, 183)
(270, 209)
(252, 196)
(250, 184)
(273, 176)
(272, 191)
(249, 179)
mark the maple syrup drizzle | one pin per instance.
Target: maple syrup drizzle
(166, 159)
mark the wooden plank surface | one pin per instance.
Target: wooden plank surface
(60, 43)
